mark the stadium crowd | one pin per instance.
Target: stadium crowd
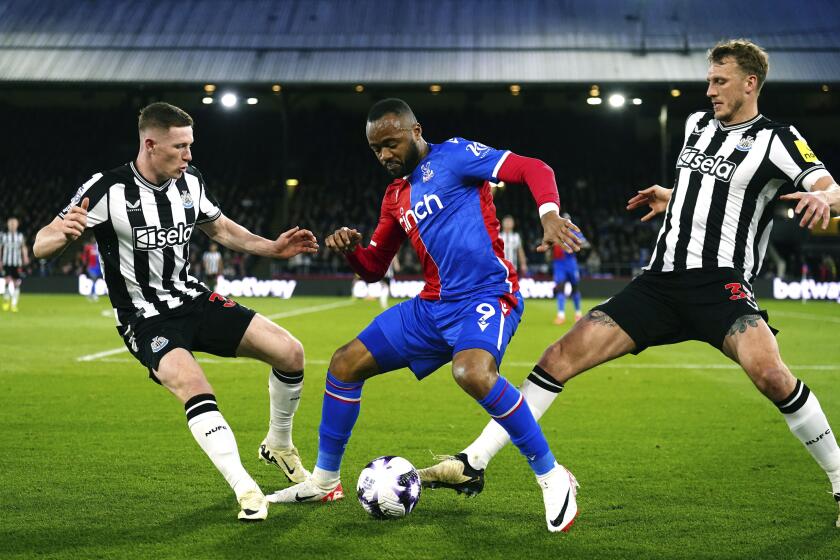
(246, 158)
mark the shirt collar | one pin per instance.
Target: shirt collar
(739, 126)
(146, 183)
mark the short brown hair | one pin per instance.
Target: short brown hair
(751, 58)
(162, 115)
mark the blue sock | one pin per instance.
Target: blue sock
(576, 298)
(507, 407)
(342, 402)
(561, 301)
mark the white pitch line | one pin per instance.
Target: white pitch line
(812, 367)
(92, 357)
(313, 309)
(808, 316)
(293, 313)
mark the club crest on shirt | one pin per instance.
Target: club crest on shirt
(159, 343)
(426, 168)
(745, 143)
(186, 199)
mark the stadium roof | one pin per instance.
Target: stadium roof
(369, 41)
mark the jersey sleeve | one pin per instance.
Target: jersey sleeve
(95, 189)
(537, 175)
(372, 262)
(208, 205)
(790, 153)
(692, 124)
(473, 161)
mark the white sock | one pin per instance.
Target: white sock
(284, 396)
(539, 391)
(215, 437)
(325, 478)
(806, 419)
(383, 296)
(15, 296)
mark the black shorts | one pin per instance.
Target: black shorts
(210, 323)
(659, 308)
(10, 271)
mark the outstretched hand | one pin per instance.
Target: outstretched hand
(294, 242)
(656, 197)
(559, 231)
(75, 221)
(343, 240)
(813, 206)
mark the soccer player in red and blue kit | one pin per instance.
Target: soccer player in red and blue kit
(469, 308)
(90, 259)
(566, 270)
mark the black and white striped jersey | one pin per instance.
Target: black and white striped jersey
(512, 242)
(11, 243)
(726, 184)
(211, 261)
(143, 231)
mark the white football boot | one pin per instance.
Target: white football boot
(287, 460)
(559, 488)
(254, 506)
(455, 472)
(308, 491)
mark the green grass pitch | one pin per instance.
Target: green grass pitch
(677, 454)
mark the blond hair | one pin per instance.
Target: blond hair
(751, 58)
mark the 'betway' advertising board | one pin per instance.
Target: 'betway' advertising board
(529, 288)
(806, 289)
(253, 287)
(245, 287)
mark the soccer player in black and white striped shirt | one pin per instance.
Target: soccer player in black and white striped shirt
(15, 256)
(143, 214)
(514, 251)
(697, 287)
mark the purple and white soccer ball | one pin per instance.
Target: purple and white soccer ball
(389, 487)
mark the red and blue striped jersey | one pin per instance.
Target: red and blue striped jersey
(445, 209)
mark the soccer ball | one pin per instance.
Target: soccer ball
(389, 487)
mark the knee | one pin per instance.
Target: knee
(342, 365)
(473, 377)
(557, 361)
(294, 355)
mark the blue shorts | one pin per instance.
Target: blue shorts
(566, 270)
(94, 273)
(423, 335)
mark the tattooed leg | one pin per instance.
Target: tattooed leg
(601, 318)
(742, 323)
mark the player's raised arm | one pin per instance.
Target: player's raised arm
(817, 205)
(53, 238)
(654, 196)
(232, 235)
(539, 178)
